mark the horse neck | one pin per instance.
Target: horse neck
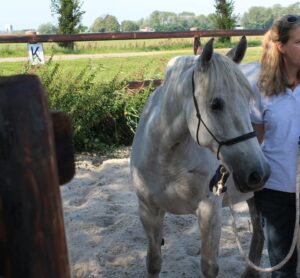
(171, 118)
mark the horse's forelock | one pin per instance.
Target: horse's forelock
(223, 70)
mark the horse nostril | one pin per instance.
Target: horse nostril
(254, 178)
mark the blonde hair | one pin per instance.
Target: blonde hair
(272, 79)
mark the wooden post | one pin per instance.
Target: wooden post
(64, 150)
(32, 236)
(197, 46)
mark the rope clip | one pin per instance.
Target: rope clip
(217, 184)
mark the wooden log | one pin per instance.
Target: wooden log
(64, 150)
(17, 38)
(197, 46)
(32, 236)
(138, 85)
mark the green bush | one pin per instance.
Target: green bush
(134, 107)
(103, 114)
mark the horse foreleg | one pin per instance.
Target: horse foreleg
(152, 220)
(209, 218)
(257, 241)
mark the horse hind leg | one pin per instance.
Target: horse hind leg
(257, 241)
(152, 219)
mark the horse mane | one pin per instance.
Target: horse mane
(179, 64)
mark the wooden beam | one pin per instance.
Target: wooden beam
(33, 38)
(197, 45)
(138, 85)
(64, 149)
(32, 236)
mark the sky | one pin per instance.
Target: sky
(30, 14)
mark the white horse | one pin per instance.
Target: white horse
(199, 113)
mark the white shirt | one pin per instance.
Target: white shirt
(281, 118)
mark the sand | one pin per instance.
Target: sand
(106, 239)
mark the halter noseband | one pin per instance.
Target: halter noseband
(221, 143)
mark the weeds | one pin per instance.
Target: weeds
(103, 114)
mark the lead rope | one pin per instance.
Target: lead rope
(295, 238)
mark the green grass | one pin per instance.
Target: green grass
(252, 55)
(130, 68)
(115, 46)
(136, 68)
(20, 49)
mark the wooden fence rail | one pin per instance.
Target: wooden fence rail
(34, 38)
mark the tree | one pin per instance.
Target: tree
(129, 26)
(163, 21)
(106, 23)
(204, 22)
(154, 21)
(69, 18)
(98, 25)
(47, 28)
(258, 18)
(111, 24)
(224, 17)
(293, 9)
(186, 20)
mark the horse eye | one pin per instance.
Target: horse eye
(217, 104)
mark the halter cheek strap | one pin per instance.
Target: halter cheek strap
(228, 142)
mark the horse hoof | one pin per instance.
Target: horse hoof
(209, 270)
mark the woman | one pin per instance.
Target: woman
(275, 116)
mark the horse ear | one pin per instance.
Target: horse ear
(206, 55)
(237, 53)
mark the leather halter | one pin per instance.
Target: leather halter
(228, 142)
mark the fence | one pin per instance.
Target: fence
(34, 38)
(196, 35)
(36, 155)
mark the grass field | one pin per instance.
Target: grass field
(20, 49)
(130, 68)
(118, 46)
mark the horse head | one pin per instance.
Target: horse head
(220, 117)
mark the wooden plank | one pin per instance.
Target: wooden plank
(32, 236)
(33, 38)
(138, 85)
(197, 45)
(64, 148)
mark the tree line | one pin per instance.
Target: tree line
(69, 14)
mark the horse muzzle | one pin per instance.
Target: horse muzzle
(253, 180)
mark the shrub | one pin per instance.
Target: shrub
(134, 107)
(103, 114)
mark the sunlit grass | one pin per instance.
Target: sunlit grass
(115, 46)
(20, 49)
(252, 55)
(130, 68)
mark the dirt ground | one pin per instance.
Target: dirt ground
(106, 238)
